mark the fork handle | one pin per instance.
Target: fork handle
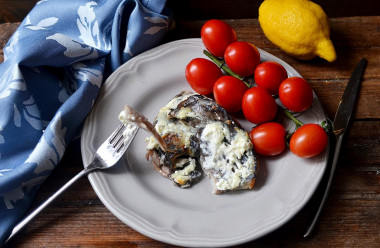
(33, 214)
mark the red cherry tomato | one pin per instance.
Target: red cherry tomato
(296, 94)
(242, 58)
(269, 75)
(201, 75)
(216, 36)
(228, 93)
(308, 141)
(258, 105)
(268, 139)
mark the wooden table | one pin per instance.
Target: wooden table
(351, 214)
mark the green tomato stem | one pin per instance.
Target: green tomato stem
(294, 119)
(220, 63)
(327, 125)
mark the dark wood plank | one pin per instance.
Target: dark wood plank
(248, 9)
(16, 10)
(330, 92)
(6, 31)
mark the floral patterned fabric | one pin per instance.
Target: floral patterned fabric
(54, 66)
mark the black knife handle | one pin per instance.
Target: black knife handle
(338, 144)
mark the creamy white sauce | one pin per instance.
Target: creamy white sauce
(165, 126)
(223, 154)
(183, 175)
(130, 127)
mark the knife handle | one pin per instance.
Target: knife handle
(338, 144)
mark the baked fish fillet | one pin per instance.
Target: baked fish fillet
(201, 136)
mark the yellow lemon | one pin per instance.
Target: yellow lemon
(298, 27)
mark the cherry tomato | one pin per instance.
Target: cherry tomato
(269, 75)
(242, 58)
(258, 105)
(228, 93)
(216, 36)
(308, 141)
(296, 94)
(201, 75)
(268, 139)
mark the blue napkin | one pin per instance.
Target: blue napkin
(54, 65)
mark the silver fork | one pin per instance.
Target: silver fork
(106, 156)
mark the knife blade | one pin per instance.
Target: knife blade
(341, 123)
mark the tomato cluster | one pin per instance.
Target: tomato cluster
(241, 60)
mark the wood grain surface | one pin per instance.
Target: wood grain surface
(351, 215)
(16, 10)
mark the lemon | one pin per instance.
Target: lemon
(299, 27)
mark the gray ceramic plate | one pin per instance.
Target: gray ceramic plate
(195, 217)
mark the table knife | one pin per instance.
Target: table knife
(341, 123)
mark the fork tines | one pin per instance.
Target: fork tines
(117, 139)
